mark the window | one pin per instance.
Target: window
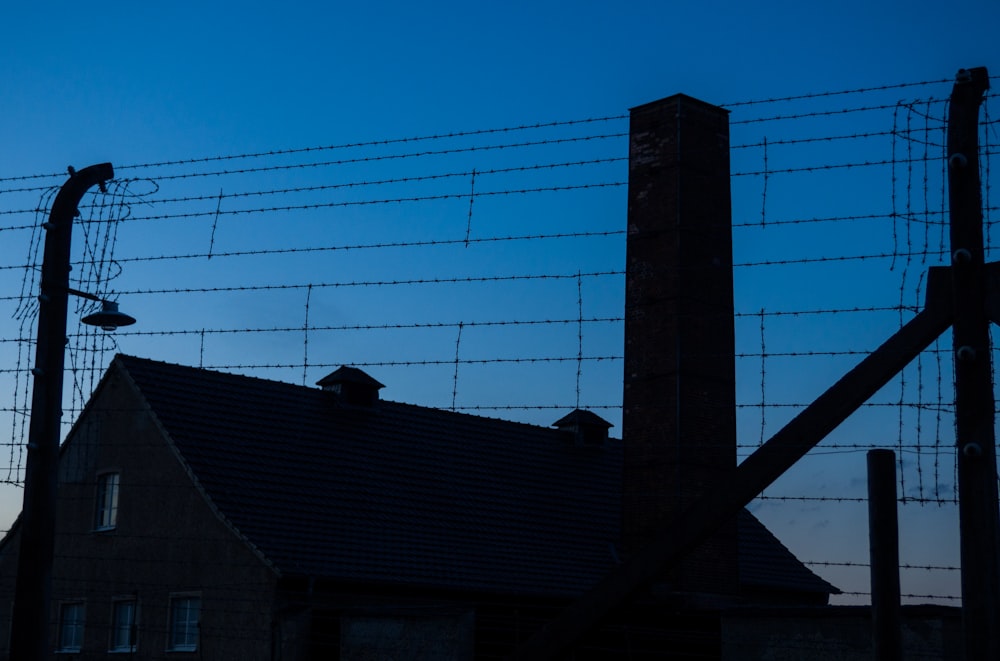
(123, 625)
(71, 622)
(184, 621)
(107, 502)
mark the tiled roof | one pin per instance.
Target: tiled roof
(767, 564)
(405, 494)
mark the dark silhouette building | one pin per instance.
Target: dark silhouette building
(203, 513)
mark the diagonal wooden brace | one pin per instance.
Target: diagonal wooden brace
(756, 473)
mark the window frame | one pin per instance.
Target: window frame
(114, 646)
(106, 501)
(78, 625)
(172, 626)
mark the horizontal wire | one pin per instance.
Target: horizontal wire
(806, 141)
(816, 113)
(378, 143)
(740, 445)
(369, 143)
(841, 258)
(449, 324)
(373, 246)
(472, 407)
(909, 596)
(469, 279)
(821, 311)
(916, 217)
(349, 247)
(859, 500)
(541, 125)
(418, 363)
(822, 95)
(834, 166)
(384, 182)
(534, 407)
(755, 224)
(907, 566)
(802, 354)
(893, 404)
(923, 254)
(366, 283)
(31, 189)
(369, 327)
(391, 157)
(357, 203)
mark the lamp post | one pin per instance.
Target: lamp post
(33, 589)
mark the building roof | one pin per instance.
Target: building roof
(402, 494)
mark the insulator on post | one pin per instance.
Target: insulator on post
(972, 450)
(966, 353)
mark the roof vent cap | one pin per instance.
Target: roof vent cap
(353, 387)
(584, 427)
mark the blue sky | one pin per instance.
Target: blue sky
(128, 83)
(136, 84)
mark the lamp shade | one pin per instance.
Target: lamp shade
(109, 318)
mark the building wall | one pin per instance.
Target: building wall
(836, 634)
(167, 541)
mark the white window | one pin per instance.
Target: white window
(107, 502)
(123, 625)
(185, 612)
(71, 620)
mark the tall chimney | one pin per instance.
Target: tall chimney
(679, 424)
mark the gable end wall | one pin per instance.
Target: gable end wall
(168, 540)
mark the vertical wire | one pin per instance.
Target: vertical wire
(215, 224)
(579, 334)
(763, 381)
(926, 169)
(908, 215)
(984, 166)
(763, 195)
(472, 198)
(919, 414)
(938, 419)
(454, 386)
(944, 176)
(25, 313)
(305, 336)
(892, 188)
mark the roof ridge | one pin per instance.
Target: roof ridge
(128, 357)
(382, 401)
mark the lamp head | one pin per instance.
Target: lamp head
(109, 318)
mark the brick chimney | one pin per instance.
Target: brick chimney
(679, 419)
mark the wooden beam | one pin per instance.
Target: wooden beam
(974, 405)
(756, 473)
(883, 541)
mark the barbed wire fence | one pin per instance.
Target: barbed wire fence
(483, 271)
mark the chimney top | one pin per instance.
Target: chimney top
(586, 428)
(352, 386)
